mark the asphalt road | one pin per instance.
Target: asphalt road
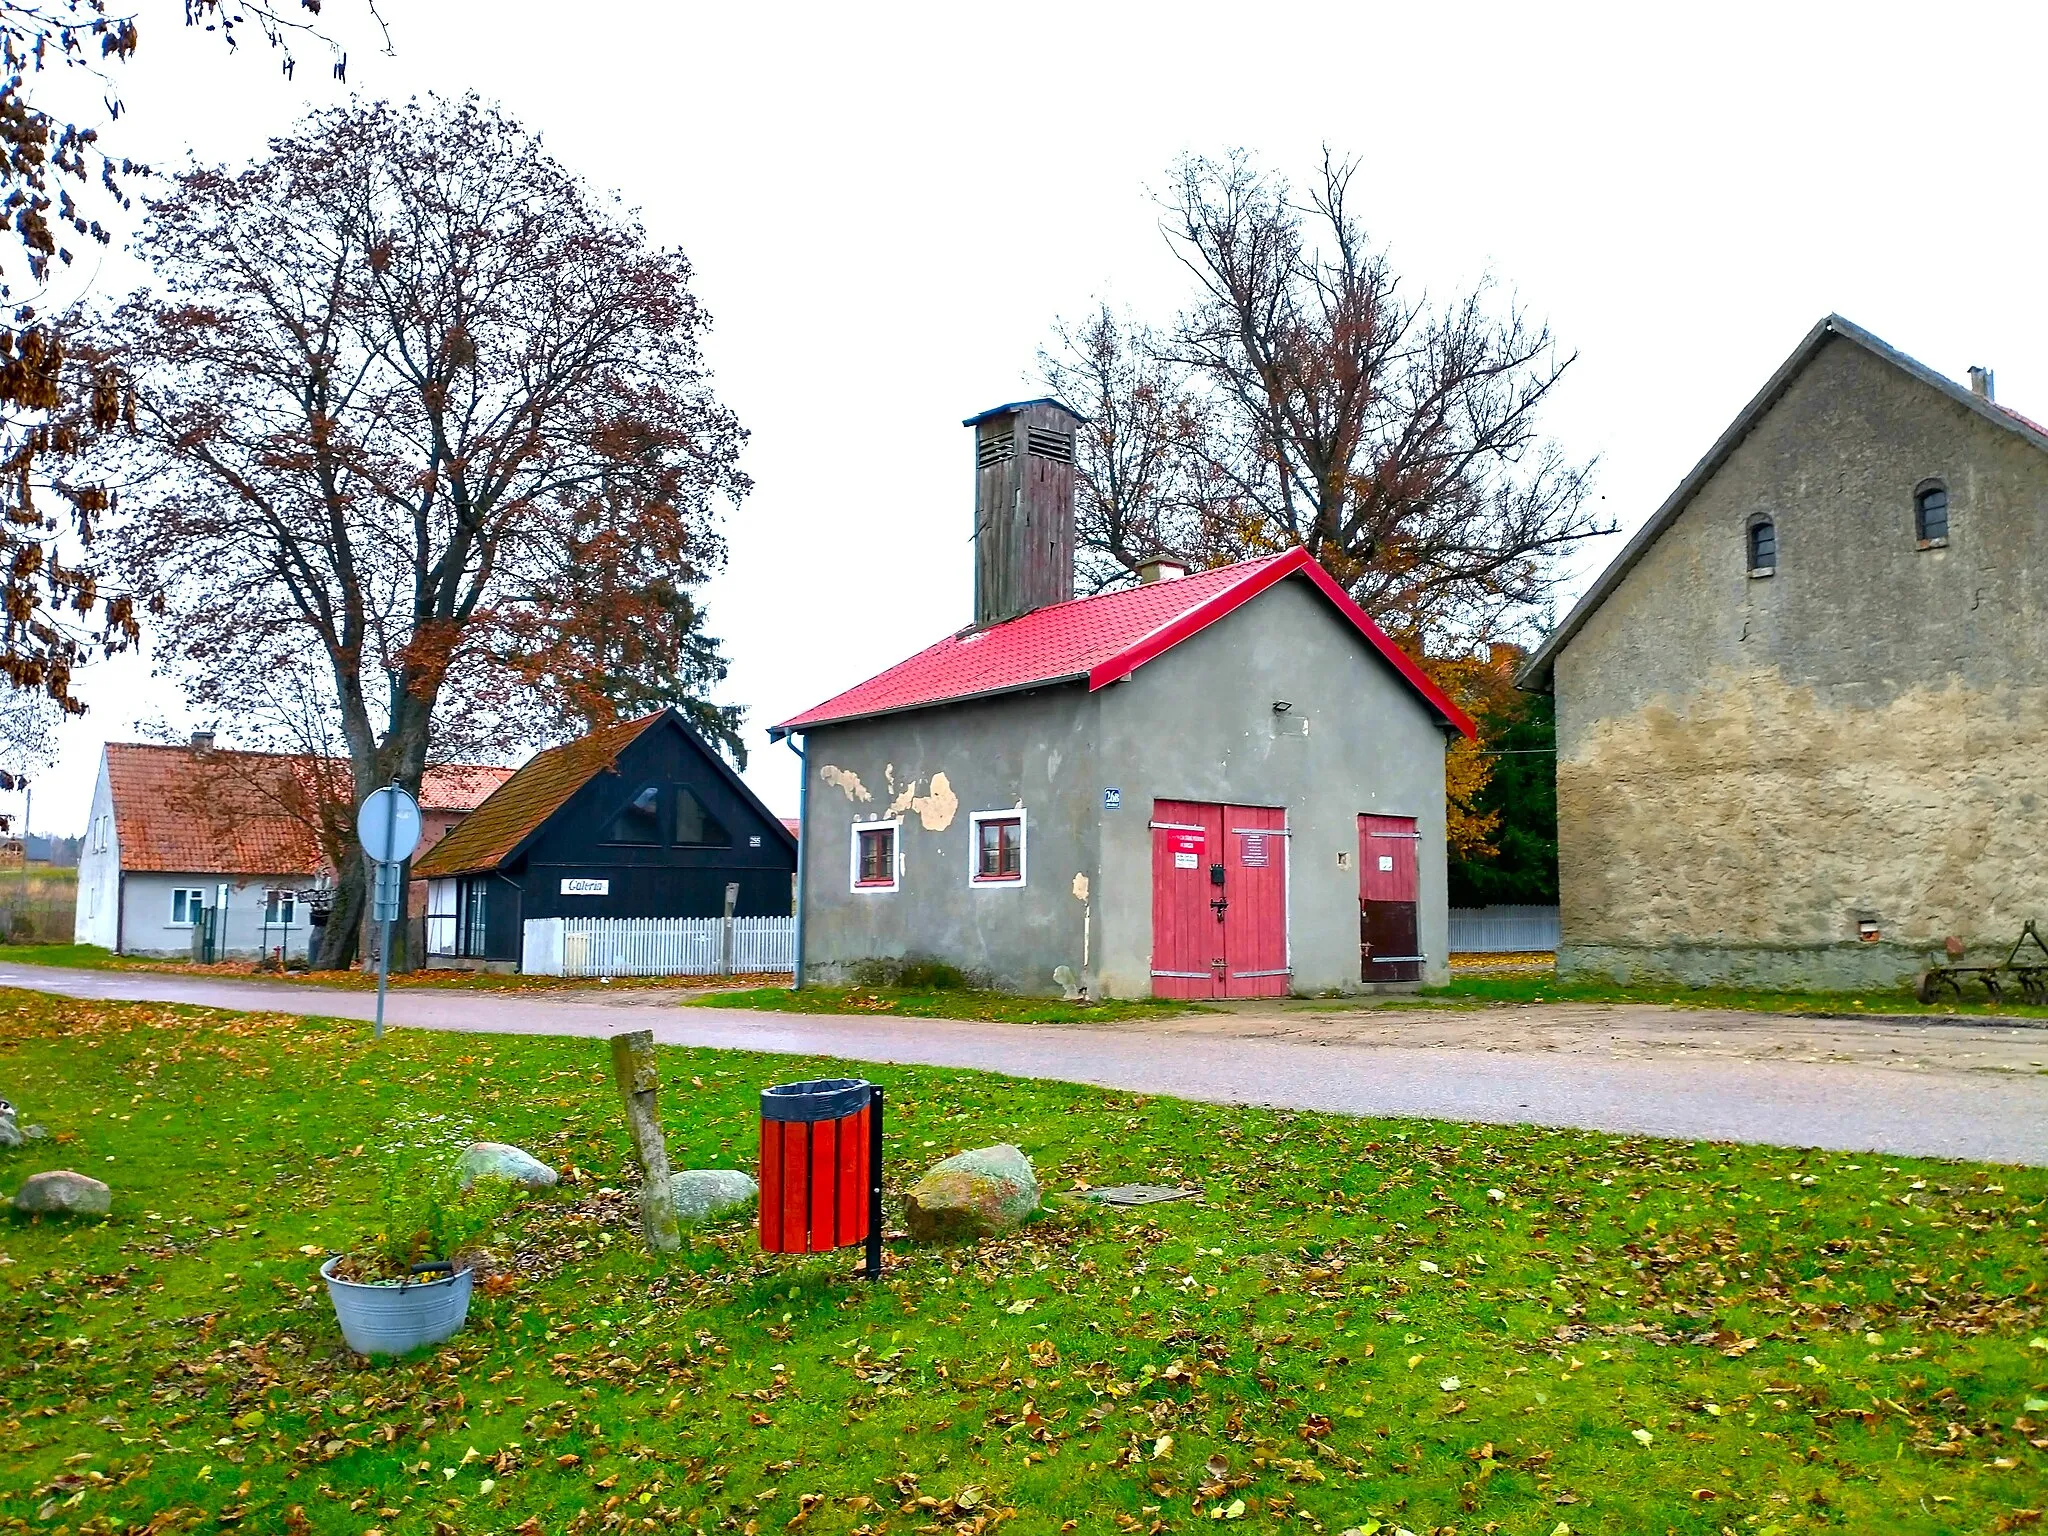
(1923, 1106)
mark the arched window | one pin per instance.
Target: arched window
(1763, 547)
(1930, 515)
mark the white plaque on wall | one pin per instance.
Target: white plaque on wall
(586, 887)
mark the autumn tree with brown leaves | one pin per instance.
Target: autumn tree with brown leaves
(64, 192)
(421, 424)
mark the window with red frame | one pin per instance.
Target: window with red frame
(877, 856)
(999, 845)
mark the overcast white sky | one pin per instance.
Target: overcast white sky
(887, 205)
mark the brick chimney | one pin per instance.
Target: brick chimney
(1023, 508)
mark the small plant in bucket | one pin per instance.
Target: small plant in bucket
(410, 1284)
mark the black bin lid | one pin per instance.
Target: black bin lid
(823, 1098)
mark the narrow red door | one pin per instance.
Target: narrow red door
(1255, 885)
(1389, 893)
(1188, 933)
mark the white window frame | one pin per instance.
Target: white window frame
(853, 880)
(284, 898)
(975, 878)
(444, 914)
(188, 891)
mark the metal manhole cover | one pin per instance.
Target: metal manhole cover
(1139, 1194)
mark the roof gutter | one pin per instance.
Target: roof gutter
(803, 821)
(802, 725)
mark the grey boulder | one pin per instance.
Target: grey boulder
(61, 1192)
(499, 1160)
(704, 1194)
(978, 1193)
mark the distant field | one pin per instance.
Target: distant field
(38, 904)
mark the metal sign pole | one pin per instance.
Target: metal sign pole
(384, 942)
(873, 1268)
(388, 820)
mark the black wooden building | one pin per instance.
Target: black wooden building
(643, 819)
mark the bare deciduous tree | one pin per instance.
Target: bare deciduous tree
(1144, 477)
(1306, 399)
(386, 372)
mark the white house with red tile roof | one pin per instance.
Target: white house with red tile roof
(178, 830)
(1222, 784)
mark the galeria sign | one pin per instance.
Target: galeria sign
(586, 887)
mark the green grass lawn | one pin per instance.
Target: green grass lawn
(1370, 1325)
(1524, 989)
(92, 957)
(937, 1002)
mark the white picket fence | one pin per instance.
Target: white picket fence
(656, 946)
(1503, 930)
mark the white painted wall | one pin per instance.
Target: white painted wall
(146, 900)
(99, 871)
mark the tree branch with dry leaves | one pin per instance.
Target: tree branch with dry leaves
(65, 192)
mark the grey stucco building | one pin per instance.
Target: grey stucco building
(1205, 785)
(1802, 719)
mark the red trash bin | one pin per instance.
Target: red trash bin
(821, 1167)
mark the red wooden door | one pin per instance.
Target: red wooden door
(1188, 957)
(1389, 892)
(1255, 887)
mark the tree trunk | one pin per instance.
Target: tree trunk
(338, 939)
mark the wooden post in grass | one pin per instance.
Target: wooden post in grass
(633, 1070)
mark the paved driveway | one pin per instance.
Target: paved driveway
(1943, 1090)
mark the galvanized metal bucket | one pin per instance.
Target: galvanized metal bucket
(392, 1319)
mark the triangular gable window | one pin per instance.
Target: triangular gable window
(640, 821)
(695, 826)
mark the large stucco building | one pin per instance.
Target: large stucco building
(1802, 719)
(1221, 784)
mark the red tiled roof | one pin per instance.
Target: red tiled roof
(489, 834)
(1100, 640)
(221, 812)
(2026, 421)
(459, 786)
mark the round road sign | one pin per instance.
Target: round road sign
(389, 825)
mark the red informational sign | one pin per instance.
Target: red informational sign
(1187, 848)
(1254, 850)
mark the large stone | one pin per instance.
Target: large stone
(498, 1160)
(61, 1192)
(705, 1194)
(977, 1193)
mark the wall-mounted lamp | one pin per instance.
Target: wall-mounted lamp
(1281, 706)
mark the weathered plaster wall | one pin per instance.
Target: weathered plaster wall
(933, 768)
(1747, 767)
(1195, 724)
(1198, 724)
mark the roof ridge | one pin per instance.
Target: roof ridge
(1536, 670)
(497, 828)
(1096, 640)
